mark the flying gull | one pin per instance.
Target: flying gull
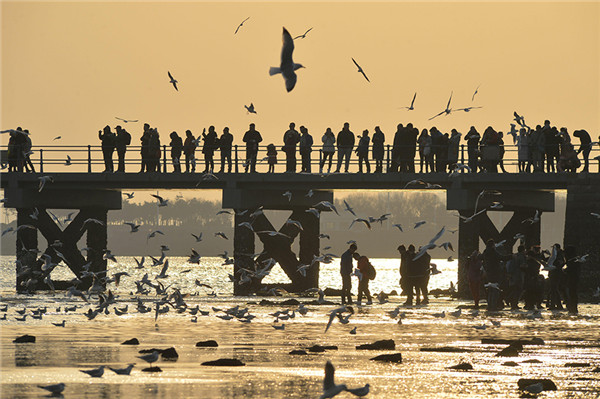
(303, 35)
(172, 81)
(447, 110)
(360, 69)
(287, 67)
(240, 25)
(412, 103)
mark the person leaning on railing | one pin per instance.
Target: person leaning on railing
(108, 139)
(328, 140)
(378, 149)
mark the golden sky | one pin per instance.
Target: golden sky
(70, 68)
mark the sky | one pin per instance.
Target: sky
(70, 68)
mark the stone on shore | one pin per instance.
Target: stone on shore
(224, 362)
(445, 349)
(548, 384)
(23, 339)
(390, 357)
(211, 343)
(461, 366)
(298, 352)
(384, 344)
(169, 354)
(132, 341)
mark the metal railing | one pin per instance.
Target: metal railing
(90, 159)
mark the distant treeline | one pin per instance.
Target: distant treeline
(182, 218)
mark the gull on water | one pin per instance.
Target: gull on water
(302, 36)
(172, 80)
(240, 25)
(287, 66)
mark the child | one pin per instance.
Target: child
(271, 157)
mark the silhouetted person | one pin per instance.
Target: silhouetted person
(425, 152)
(328, 140)
(411, 146)
(472, 139)
(15, 151)
(493, 269)
(271, 157)
(378, 149)
(27, 152)
(144, 151)
(208, 149)
(107, 137)
(397, 148)
(345, 143)
(573, 272)
(123, 139)
(364, 266)
(225, 142)
(306, 143)
(176, 150)
(515, 269)
(556, 278)
(474, 265)
(502, 151)
(552, 148)
(568, 159)
(533, 292)
(453, 149)
(442, 153)
(585, 147)
(290, 138)
(189, 151)
(421, 278)
(436, 146)
(537, 146)
(522, 150)
(252, 138)
(362, 150)
(346, 273)
(154, 151)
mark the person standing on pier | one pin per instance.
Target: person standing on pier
(346, 268)
(585, 147)
(224, 144)
(176, 150)
(411, 150)
(208, 149)
(154, 151)
(328, 140)
(522, 150)
(27, 152)
(144, 152)
(345, 143)
(290, 138)
(189, 150)
(378, 149)
(362, 150)
(252, 138)
(453, 149)
(107, 137)
(271, 157)
(472, 139)
(123, 139)
(425, 154)
(306, 143)
(537, 146)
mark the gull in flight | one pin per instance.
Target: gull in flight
(288, 195)
(128, 195)
(172, 81)
(126, 121)
(399, 226)
(418, 224)
(348, 208)
(430, 245)
(57, 138)
(366, 222)
(68, 161)
(55, 389)
(360, 392)
(134, 227)
(466, 109)
(485, 192)
(360, 69)
(336, 312)
(221, 234)
(250, 108)
(330, 389)
(303, 35)
(476, 90)
(534, 219)
(470, 218)
(287, 67)
(161, 200)
(154, 233)
(447, 110)
(197, 237)
(412, 103)
(43, 180)
(240, 25)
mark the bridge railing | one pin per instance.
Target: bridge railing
(90, 158)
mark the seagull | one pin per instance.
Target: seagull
(43, 180)
(154, 233)
(476, 90)
(288, 195)
(250, 108)
(134, 227)
(172, 81)
(287, 67)
(324, 236)
(197, 237)
(221, 234)
(310, 193)
(418, 224)
(430, 245)
(246, 225)
(240, 25)
(596, 215)
(164, 270)
(91, 220)
(129, 195)
(330, 389)
(126, 120)
(150, 357)
(348, 208)
(313, 211)
(161, 200)
(466, 109)
(470, 218)
(124, 371)
(366, 222)
(35, 214)
(360, 392)
(447, 110)
(334, 313)
(534, 219)
(223, 211)
(57, 138)
(412, 103)
(68, 161)
(96, 373)
(303, 35)
(55, 389)
(360, 69)
(399, 226)
(520, 119)
(295, 223)
(327, 205)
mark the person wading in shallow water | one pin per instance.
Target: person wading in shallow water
(346, 272)
(366, 273)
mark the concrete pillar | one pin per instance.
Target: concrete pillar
(96, 241)
(243, 247)
(309, 248)
(27, 246)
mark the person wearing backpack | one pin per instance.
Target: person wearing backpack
(122, 140)
(367, 272)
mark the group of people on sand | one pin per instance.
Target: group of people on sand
(509, 277)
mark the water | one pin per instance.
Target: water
(270, 372)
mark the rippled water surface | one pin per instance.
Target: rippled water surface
(270, 371)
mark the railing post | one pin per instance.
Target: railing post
(89, 158)
(236, 158)
(462, 155)
(387, 161)
(164, 158)
(41, 160)
(320, 158)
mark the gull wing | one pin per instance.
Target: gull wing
(438, 235)
(286, 52)
(413, 100)
(328, 381)
(450, 99)
(290, 80)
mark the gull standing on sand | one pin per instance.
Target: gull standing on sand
(240, 25)
(172, 81)
(287, 67)
(150, 357)
(123, 371)
(96, 373)
(360, 69)
(330, 389)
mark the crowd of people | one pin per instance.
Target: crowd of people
(542, 149)
(507, 278)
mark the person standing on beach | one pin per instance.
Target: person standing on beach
(573, 272)
(492, 264)
(474, 265)
(365, 273)
(346, 272)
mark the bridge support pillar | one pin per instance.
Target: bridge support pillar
(524, 205)
(27, 248)
(582, 229)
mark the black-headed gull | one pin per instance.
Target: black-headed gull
(287, 67)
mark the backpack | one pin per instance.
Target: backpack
(372, 273)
